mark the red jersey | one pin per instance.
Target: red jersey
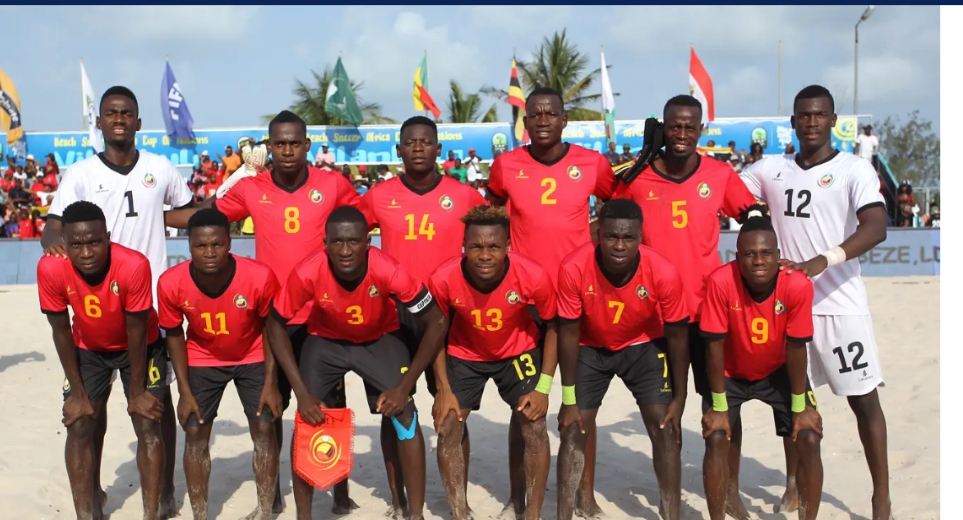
(756, 331)
(550, 202)
(493, 325)
(223, 329)
(615, 317)
(359, 314)
(288, 224)
(421, 229)
(682, 218)
(28, 229)
(100, 311)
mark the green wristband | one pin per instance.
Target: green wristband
(719, 402)
(798, 403)
(568, 394)
(544, 385)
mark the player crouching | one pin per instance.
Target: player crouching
(624, 304)
(115, 328)
(757, 321)
(225, 299)
(490, 296)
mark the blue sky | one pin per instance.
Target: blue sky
(236, 63)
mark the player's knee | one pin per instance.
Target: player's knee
(452, 431)
(717, 445)
(807, 442)
(146, 429)
(262, 429)
(534, 432)
(406, 423)
(82, 430)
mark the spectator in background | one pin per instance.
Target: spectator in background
(39, 222)
(31, 169)
(384, 173)
(755, 153)
(626, 154)
(21, 174)
(325, 159)
(933, 219)
(359, 185)
(363, 171)
(28, 228)
(709, 148)
(13, 225)
(346, 171)
(867, 145)
(449, 163)
(11, 167)
(612, 156)
(204, 160)
(230, 160)
(736, 162)
(6, 184)
(478, 186)
(46, 197)
(790, 149)
(727, 154)
(458, 171)
(51, 167)
(215, 178)
(19, 196)
(473, 166)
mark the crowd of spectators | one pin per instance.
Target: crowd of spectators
(26, 191)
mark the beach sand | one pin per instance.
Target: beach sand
(33, 479)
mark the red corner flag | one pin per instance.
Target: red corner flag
(323, 454)
(700, 87)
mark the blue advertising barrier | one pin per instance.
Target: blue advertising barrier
(906, 252)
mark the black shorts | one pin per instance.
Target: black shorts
(698, 348)
(515, 378)
(97, 368)
(208, 384)
(772, 390)
(297, 333)
(643, 367)
(324, 362)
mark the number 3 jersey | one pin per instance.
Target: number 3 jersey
(814, 209)
(756, 331)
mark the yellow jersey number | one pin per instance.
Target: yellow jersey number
(291, 222)
(494, 319)
(426, 229)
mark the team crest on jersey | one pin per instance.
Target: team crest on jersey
(574, 173)
(780, 307)
(826, 180)
(316, 196)
(446, 202)
(240, 301)
(512, 297)
(704, 190)
(149, 180)
(373, 292)
(641, 292)
(114, 288)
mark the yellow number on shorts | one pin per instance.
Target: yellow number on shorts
(760, 331)
(677, 211)
(356, 317)
(547, 195)
(153, 373)
(665, 365)
(91, 303)
(425, 229)
(530, 369)
(291, 222)
(619, 307)
(221, 322)
(494, 316)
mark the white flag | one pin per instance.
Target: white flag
(90, 111)
(608, 104)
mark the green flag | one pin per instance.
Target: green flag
(340, 101)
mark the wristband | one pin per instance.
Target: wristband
(719, 402)
(544, 385)
(568, 395)
(798, 403)
(835, 256)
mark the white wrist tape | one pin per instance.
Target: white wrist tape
(835, 256)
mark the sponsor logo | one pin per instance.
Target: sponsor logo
(187, 305)
(512, 297)
(240, 301)
(458, 303)
(651, 196)
(826, 180)
(736, 306)
(316, 196)
(324, 298)
(394, 204)
(574, 173)
(521, 175)
(641, 292)
(264, 199)
(446, 202)
(590, 291)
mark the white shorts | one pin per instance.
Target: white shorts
(843, 354)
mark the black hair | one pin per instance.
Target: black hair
(485, 215)
(82, 211)
(422, 121)
(619, 209)
(545, 91)
(755, 218)
(682, 100)
(346, 214)
(812, 92)
(208, 217)
(119, 91)
(286, 116)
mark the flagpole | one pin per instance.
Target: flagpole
(424, 111)
(83, 99)
(779, 105)
(602, 97)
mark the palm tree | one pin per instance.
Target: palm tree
(462, 109)
(309, 103)
(557, 63)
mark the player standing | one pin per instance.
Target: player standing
(419, 215)
(108, 287)
(490, 297)
(621, 312)
(132, 187)
(827, 211)
(757, 321)
(225, 299)
(352, 287)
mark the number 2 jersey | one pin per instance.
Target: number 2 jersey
(100, 310)
(814, 209)
(756, 331)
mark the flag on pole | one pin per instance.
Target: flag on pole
(10, 118)
(177, 117)
(422, 98)
(700, 87)
(340, 101)
(608, 104)
(94, 136)
(516, 98)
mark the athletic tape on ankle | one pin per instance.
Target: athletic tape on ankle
(568, 394)
(719, 402)
(798, 403)
(544, 385)
(408, 433)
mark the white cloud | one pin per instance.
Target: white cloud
(750, 82)
(881, 78)
(148, 24)
(518, 20)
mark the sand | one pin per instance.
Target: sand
(33, 480)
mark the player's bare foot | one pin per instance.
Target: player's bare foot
(396, 513)
(343, 506)
(510, 512)
(790, 501)
(734, 506)
(589, 511)
(258, 515)
(882, 509)
(168, 508)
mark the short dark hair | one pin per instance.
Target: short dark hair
(545, 91)
(208, 217)
(286, 116)
(755, 218)
(346, 214)
(119, 91)
(82, 211)
(485, 215)
(812, 92)
(618, 209)
(419, 120)
(682, 100)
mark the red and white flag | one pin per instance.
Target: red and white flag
(700, 87)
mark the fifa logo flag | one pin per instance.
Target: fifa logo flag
(177, 118)
(324, 454)
(10, 117)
